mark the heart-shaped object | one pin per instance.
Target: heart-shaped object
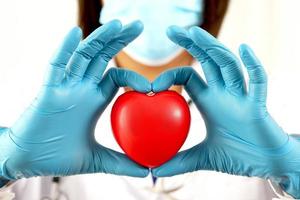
(150, 128)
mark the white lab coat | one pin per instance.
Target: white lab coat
(191, 186)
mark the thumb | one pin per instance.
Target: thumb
(190, 160)
(113, 162)
(117, 77)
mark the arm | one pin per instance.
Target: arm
(55, 134)
(242, 137)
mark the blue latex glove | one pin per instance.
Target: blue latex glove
(55, 135)
(242, 138)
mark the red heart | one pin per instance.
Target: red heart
(150, 129)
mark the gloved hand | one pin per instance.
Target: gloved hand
(55, 135)
(242, 138)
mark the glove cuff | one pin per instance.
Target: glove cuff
(3, 182)
(290, 182)
(4, 175)
(291, 185)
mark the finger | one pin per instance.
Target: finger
(56, 69)
(211, 71)
(89, 47)
(98, 64)
(113, 162)
(257, 75)
(116, 78)
(185, 76)
(226, 60)
(196, 158)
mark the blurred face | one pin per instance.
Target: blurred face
(151, 72)
(152, 52)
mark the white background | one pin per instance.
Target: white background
(32, 29)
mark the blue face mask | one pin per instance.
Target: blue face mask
(153, 47)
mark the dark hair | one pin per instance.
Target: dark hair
(89, 13)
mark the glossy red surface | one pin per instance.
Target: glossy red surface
(150, 129)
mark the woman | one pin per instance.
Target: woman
(210, 17)
(188, 186)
